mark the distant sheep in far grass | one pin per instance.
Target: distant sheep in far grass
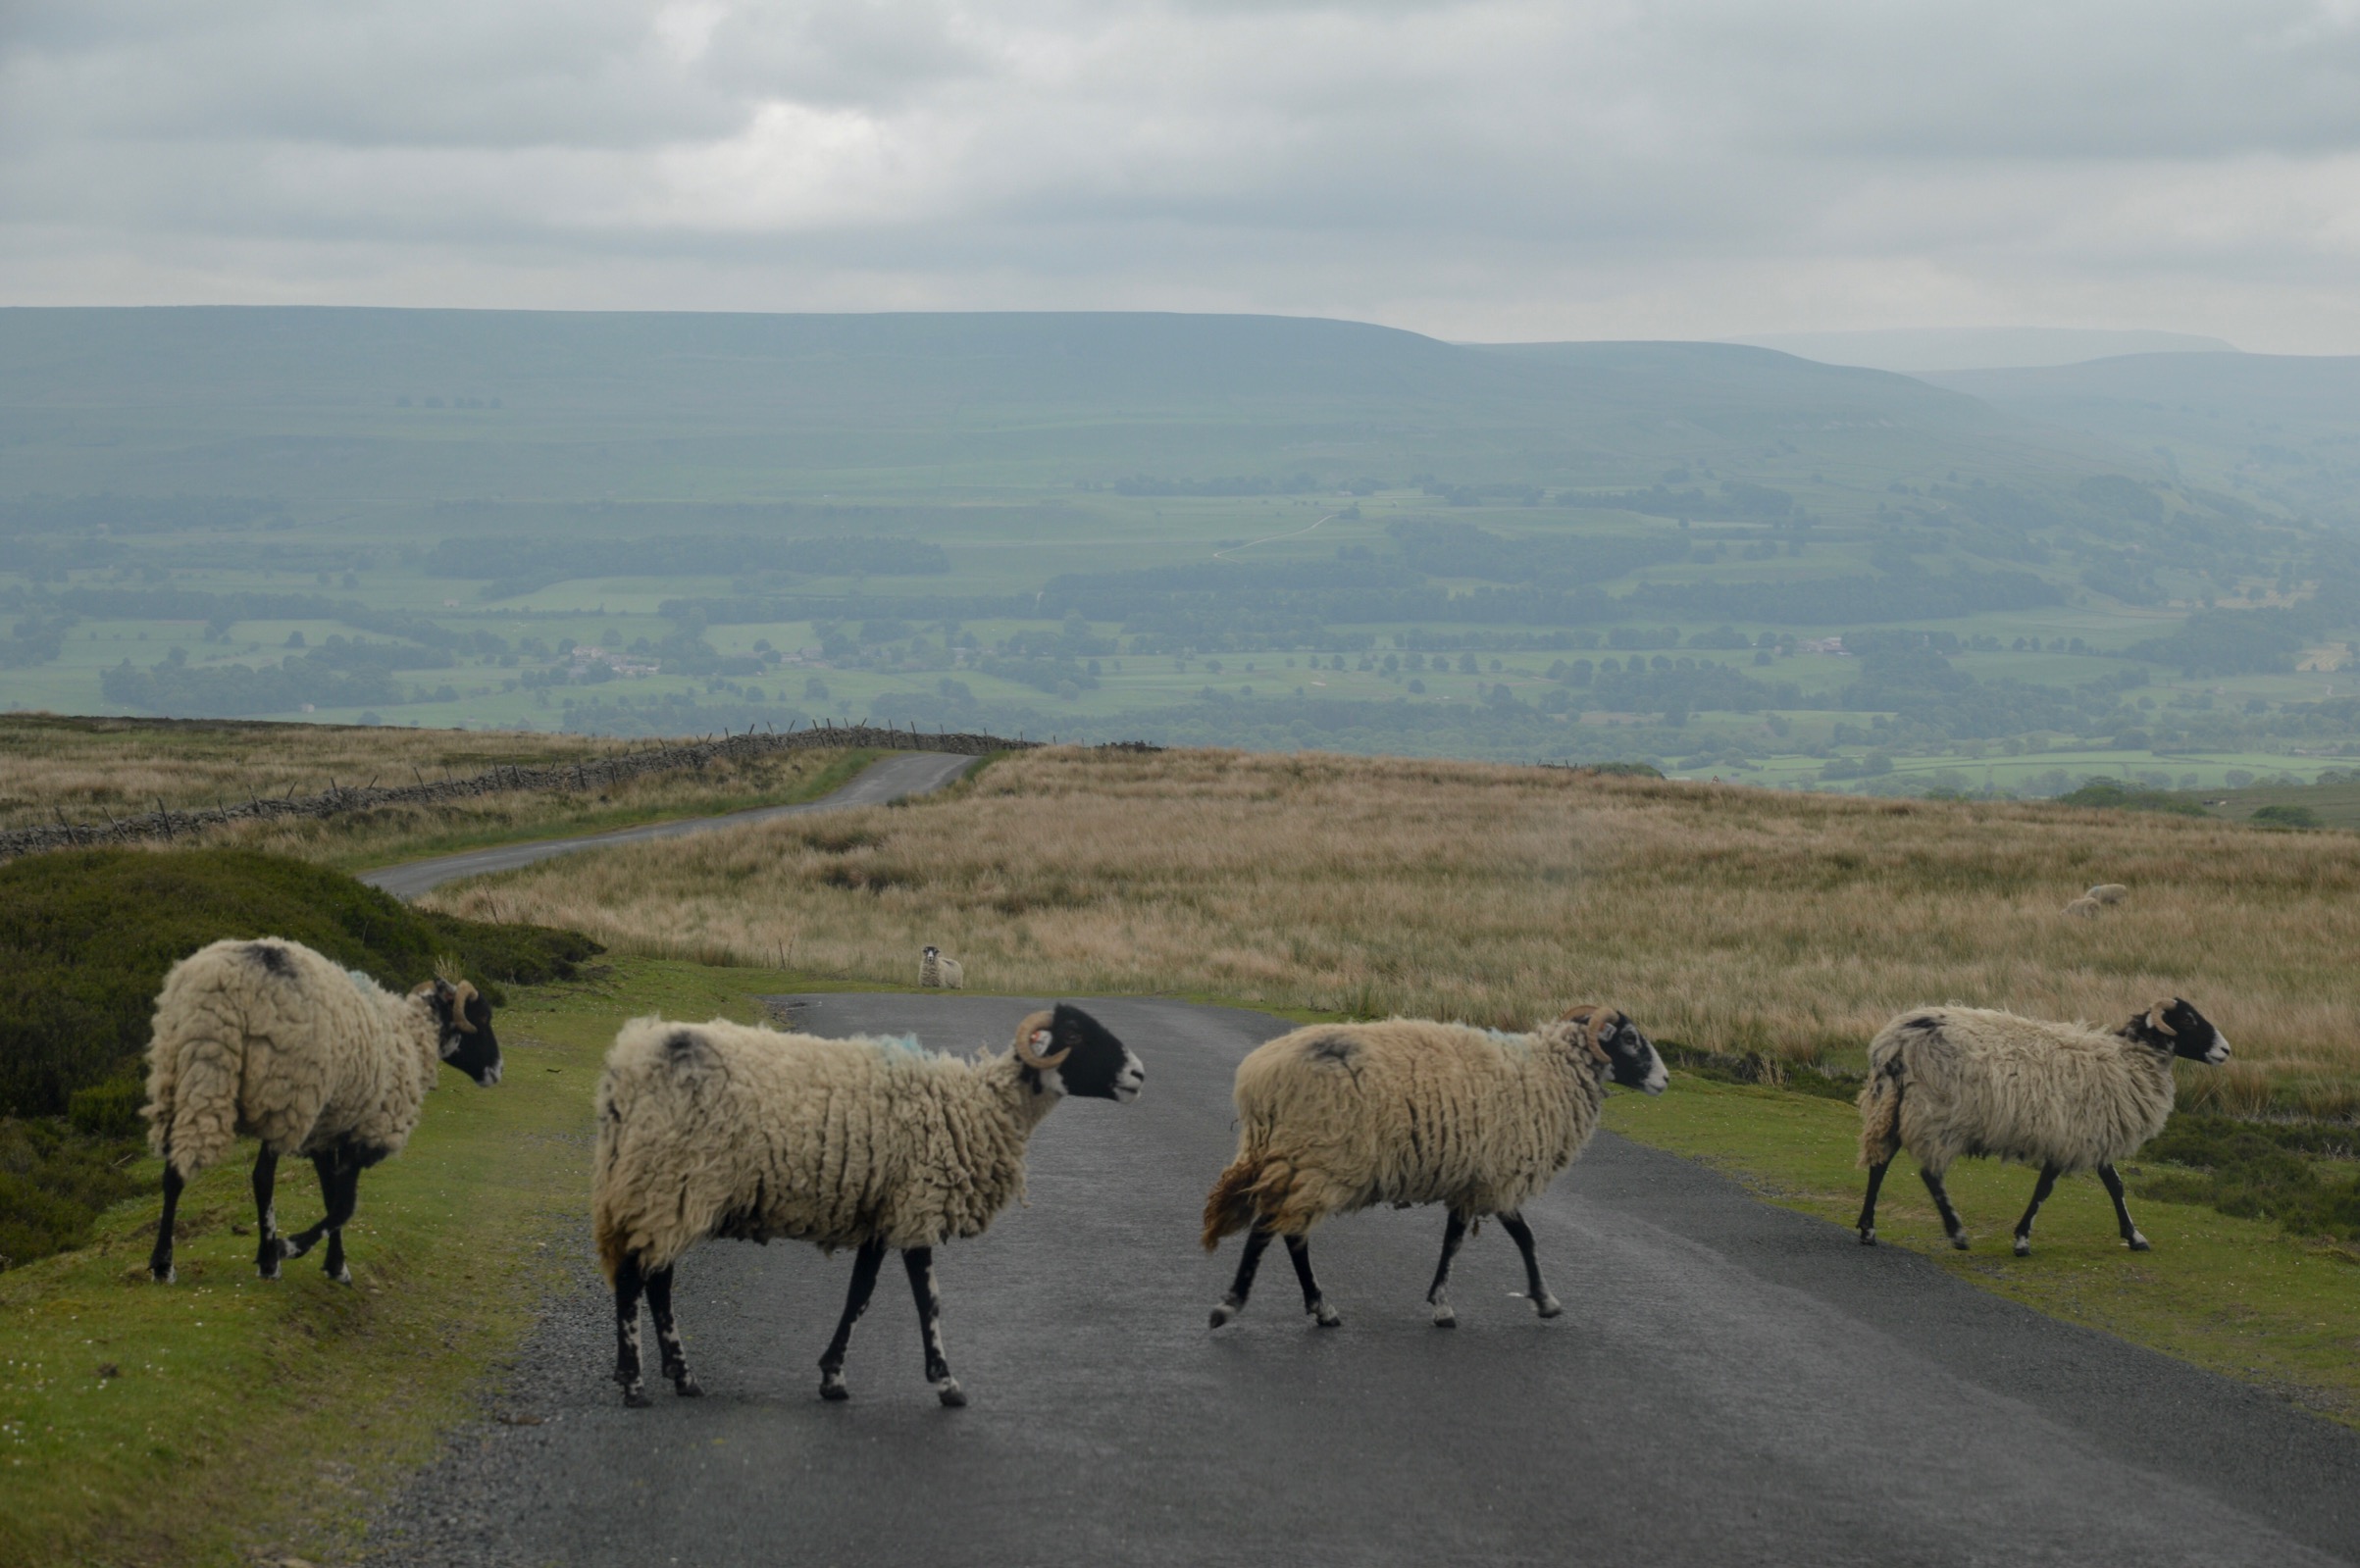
(935, 970)
(2085, 908)
(2108, 892)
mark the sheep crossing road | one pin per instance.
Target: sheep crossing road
(1730, 1384)
(890, 779)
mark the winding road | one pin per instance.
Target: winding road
(1730, 1383)
(887, 780)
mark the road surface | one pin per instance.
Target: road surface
(889, 778)
(1730, 1383)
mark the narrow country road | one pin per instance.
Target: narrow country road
(889, 778)
(1730, 1383)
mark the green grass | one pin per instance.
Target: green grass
(2237, 1296)
(226, 1418)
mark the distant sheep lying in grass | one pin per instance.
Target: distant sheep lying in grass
(935, 970)
(272, 1038)
(2085, 908)
(724, 1130)
(1949, 1082)
(2108, 892)
(1339, 1117)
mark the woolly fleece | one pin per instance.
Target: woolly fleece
(293, 1049)
(723, 1129)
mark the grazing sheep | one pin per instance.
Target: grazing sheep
(1948, 1081)
(935, 970)
(2108, 892)
(269, 1038)
(2085, 908)
(725, 1130)
(1339, 1117)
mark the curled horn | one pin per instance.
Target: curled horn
(1593, 1020)
(2155, 1021)
(1037, 1027)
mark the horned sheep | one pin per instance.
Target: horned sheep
(935, 970)
(1339, 1117)
(1949, 1082)
(271, 1039)
(725, 1130)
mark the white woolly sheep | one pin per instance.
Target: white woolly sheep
(935, 970)
(2108, 892)
(1339, 1117)
(271, 1039)
(1949, 1082)
(726, 1130)
(2085, 908)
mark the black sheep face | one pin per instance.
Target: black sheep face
(464, 1019)
(1632, 1056)
(2176, 1026)
(1096, 1065)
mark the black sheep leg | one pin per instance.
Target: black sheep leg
(1454, 1236)
(2040, 1196)
(1299, 1253)
(1535, 1291)
(627, 1285)
(267, 1251)
(339, 1194)
(1258, 1241)
(667, 1336)
(159, 1261)
(865, 1264)
(1868, 1207)
(919, 1262)
(2121, 1211)
(1951, 1225)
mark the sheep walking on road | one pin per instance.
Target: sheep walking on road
(935, 970)
(1949, 1082)
(269, 1038)
(726, 1130)
(1339, 1117)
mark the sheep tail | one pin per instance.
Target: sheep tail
(191, 1109)
(1881, 1112)
(1234, 1200)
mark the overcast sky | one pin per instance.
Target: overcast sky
(1495, 169)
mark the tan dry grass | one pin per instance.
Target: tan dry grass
(86, 768)
(1730, 917)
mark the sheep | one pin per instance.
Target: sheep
(1339, 1117)
(725, 1130)
(2085, 908)
(1946, 1081)
(2108, 892)
(935, 970)
(271, 1039)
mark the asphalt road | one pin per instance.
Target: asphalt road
(889, 778)
(1730, 1384)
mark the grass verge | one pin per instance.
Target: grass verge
(2234, 1295)
(228, 1418)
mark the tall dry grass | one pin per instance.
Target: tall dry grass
(86, 767)
(1734, 917)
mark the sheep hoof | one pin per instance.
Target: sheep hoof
(635, 1396)
(950, 1393)
(686, 1387)
(1226, 1313)
(1548, 1307)
(2138, 1242)
(165, 1275)
(1327, 1317)
(292, 1249)
(2024, 1246)
(831, 1388)
(268, 1271)
(1959, 1240)
(1443, 1317)
(1867, 1235)
(343, 1276)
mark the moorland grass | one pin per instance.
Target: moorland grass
(1734, 919)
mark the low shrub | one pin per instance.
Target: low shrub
(2299, 1174)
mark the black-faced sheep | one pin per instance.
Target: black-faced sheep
(726, 1130)
(1339, 1117)
(1949, 1082)
(935, 970)
(271, 1039)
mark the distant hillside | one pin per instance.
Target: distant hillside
(2280, 429)
(322, 403)
(1915, 351)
